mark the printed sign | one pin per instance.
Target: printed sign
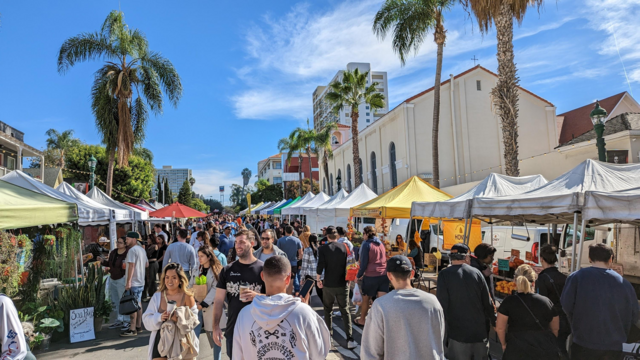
(221, 189)
(81, 325)
(528, 256)
(515, 254)
(503, 264)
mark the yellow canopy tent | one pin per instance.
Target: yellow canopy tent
(396, 203)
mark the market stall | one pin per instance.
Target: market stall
(291, 208)
(21, 208)
(318, 200)
(311, 213)
(245, 211)
(276, 211)
(100, 197)
(265, 210)
(337, 213)
(257, 210)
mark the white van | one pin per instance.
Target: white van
(525, 239)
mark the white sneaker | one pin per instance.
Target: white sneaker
(116, 324)
(126, 326)
(351, 344)
(337, 313)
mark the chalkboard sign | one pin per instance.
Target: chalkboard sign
(503, 264)
(81, 325)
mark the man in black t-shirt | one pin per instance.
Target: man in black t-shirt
(332, 260)
(244, 275)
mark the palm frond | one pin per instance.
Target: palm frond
(486, 11)
(86, 46)
(139, 117)
(151, 89)
(167, 76)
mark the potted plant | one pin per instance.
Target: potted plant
(46, 327)
(101, 313)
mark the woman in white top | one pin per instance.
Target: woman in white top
(210, 267)
(173, 286)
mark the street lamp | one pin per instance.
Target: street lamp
(598, 118)
(92, 167)
(339, 182)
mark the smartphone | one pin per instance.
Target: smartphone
(308, 284)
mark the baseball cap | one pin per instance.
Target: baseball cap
(133, 235)
(399, 264)
(330, 230)
(227, 227)
(459, 251)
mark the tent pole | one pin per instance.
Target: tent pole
(469, 232)
(493, 290)
(438, 243)
(582, 238)
(464, 234)
(573, 245)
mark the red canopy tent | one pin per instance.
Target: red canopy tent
(177, 210)
(136, 206)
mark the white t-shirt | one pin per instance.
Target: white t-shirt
(138, 257)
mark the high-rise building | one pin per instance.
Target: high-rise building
(322, 113)
(176, 177)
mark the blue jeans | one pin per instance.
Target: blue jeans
(116, 289)
(137, 292)
(295, 274)
(217, 350)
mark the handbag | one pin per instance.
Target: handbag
(128, 303)
(553, 344)
(352, 266)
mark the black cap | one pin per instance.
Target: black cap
(133, 235)
(330, 230)
(459, 251)
(399, 264)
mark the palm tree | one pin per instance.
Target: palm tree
(132, 81)
(291, 145)
(307, 139)
(410, 21)
(143, 153)
(322, 143)
(352, 92)
(61, 142)
(505, 94)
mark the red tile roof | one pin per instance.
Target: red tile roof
(577, 121)
(344, 126)
(466, 72)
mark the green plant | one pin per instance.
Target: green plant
(48, 325)
(35, 342)
(89, 294)
(104, 310)
(9, 267)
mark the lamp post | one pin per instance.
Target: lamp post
(598, 118)
(339, 182)
(92, 167)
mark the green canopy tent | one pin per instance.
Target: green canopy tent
(278, 210)
(20, 208)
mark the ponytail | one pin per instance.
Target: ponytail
(525, 276)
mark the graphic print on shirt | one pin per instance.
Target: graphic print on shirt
(233, 288)
(276, 344)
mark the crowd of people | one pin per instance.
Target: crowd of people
(242, 282)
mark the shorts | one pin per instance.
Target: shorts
(372, 285)
(137, 292)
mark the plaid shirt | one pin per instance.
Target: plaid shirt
(309, 264)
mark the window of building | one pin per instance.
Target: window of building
(339, 184)
(392, 164)
(361, 170)
(277, 180)
(277, 165)
(367, 107)
(330, 184)
(334, 140)
(349, 177)
(374, 178)
(379, 89)
(368, 120)
(368, 114)
(479, 85)
(377, 77)
(346, 114)
(324, 185)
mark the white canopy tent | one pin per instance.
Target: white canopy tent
(100, 197)
(87, 214)
(492, 186)
(263, 206)
(317, 200)
(338, 214)
(292, 209)
(312, 213)
(623, 206)
(264, 210)
(119, 215)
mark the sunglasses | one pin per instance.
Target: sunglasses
(265, 238)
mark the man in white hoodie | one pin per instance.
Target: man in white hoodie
(277, 325)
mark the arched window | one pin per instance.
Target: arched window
(349, 177)
(392, 164)
(339, 183)
(334, 140)
(361, 170)
(331, 184)
(324, 184)
(374, 177)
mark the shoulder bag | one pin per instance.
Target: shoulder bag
(551, 339)
(128, 303)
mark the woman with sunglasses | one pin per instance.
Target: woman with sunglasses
(115, 265)
(210, 268)
(174, 286)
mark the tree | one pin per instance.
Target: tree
(159, 190)
(184, 195)
(61, 143)
(167, 196)
(214, 205)
(505, 94)
(292, 144)
(291, 191)
(351, 92)
(131, 183)
(261, 184)
(267, 193)
(307, 138)
(323, 144)
(132, 81)
(200, 205)
(236, 197)
(143, 153)
(51, 158)
(410, 21)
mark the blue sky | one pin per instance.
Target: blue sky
(249, 67)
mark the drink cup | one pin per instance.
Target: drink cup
(243, 289)
(171, 305)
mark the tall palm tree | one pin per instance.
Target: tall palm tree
(132, 81)
(246, 176)
(352, 92)
(505, 94)
(307, 138)
(322, 143)
(61, 142)
(143, 153)
(292, 144)
(410, 21)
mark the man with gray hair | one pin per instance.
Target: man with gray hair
(199, 228)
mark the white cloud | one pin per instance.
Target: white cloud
(209, 181)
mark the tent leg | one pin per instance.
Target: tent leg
(493, 290)
(469, 232)
(573, 245)
(464, 233)
(582, 238)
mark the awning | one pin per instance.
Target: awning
(601, 207)
(277, 210)
(293, 208)
(119, 215)
(178, 210)
(100, 197)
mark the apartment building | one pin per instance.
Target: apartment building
(176, 177)
(322, 113)
(271, 169)
(13, 149)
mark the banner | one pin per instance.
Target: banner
(249, 203)
(454, 233)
